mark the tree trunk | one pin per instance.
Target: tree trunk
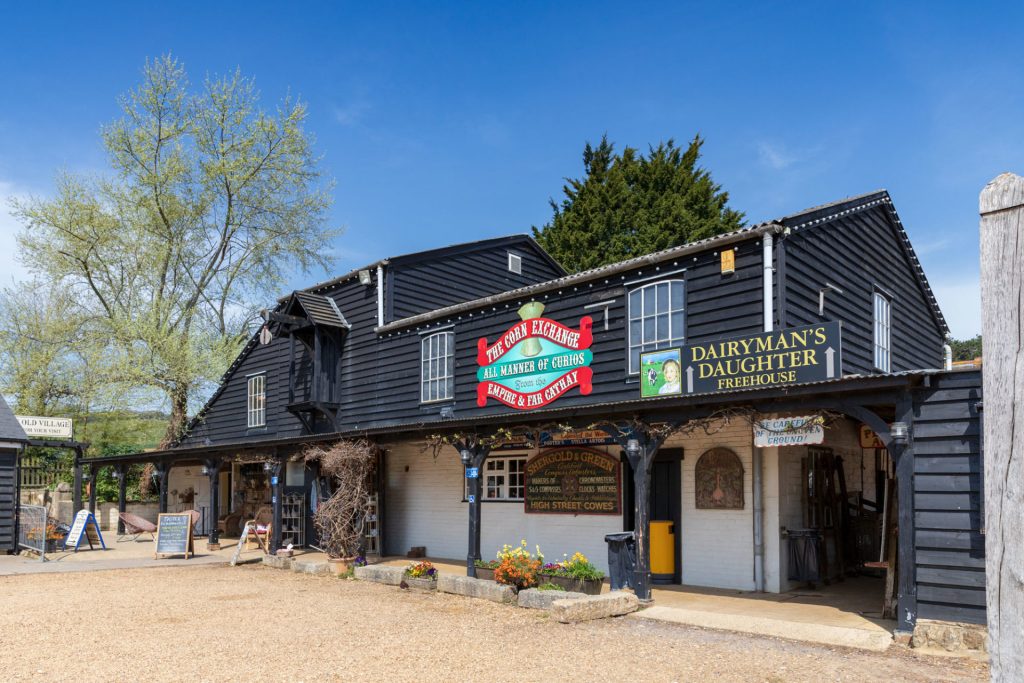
(1002, 289)
(179, 416)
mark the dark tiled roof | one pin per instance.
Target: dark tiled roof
(10, 428)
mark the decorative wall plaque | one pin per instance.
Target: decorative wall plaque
(718, 477)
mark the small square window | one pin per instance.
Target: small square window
(515, 263)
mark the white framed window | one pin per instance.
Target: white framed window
(515, 263)
(883, 332)
(257, 401)
(657, 318)
(503, 478)
(437, 376)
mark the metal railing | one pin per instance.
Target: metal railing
(32, 530)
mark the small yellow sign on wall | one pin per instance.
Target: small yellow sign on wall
(728, 261)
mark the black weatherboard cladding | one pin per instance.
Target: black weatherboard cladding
(8, 487)
(718, 306)
(366, 368)
(417, 286)
(948, 499)
(855, 251)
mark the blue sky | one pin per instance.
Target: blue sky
(452, 122)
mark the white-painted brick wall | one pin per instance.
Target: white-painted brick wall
(424, 506)
(717, 545)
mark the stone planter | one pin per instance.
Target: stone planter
(420, 583)
(485, 574)
(341, 565)
(588, 586)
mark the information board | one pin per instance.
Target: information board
(84, 524)
(174, 535)
(574, 481)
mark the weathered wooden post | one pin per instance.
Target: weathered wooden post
(94, 475)
(212, 468)
(473, 455)
(276, 500)
(1002, 287)
(121, 472)
(162, 470)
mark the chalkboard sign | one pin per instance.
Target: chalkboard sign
(174, 535)
(575, 481)
(85, 524)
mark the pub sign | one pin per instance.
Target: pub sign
(794, 355)
(535, 361)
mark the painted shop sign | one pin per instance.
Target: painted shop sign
(574, 480)
(535, 361)
(46, 427)
(789, 431)
(791, 356)
(585, 437)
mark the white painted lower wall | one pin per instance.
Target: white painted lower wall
(182, 477)
(717, 545)
(424, 507)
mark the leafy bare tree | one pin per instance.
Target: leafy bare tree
(339, 519)
(213, 201)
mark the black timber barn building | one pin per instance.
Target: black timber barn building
(674, 366)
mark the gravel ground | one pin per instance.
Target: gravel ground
(258, 624)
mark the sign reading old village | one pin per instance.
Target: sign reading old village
(535, 361)
(574, 480)
(790, 356)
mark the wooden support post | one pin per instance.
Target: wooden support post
(1002, 299)
(122, 494)
(906, 579)
(76, 494)
(162, 470)
(213, 467)
(641, 445)
(276, 488)
(94, 472)
(474, 454)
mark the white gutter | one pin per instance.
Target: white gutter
(768, 297)
(947, 357)
(380, 295)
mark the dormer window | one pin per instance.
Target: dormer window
(515, 263)
(257, 400)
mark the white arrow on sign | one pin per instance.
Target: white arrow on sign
(830, 362)
(689, 379)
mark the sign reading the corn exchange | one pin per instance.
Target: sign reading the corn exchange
(791, 356)
(576, 481)
(535, 361)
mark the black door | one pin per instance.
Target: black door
(666, 497)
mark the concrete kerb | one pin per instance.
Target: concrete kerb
(864, 639)
(591, 607)
(475, 588)
(533, 598)
(389, 576)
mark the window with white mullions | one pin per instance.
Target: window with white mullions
(504, 478)
(883, 332)
(657, 319)
(437, 372)
(257, 401)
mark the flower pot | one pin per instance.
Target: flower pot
(420, 583)
(485, 573)
(586, 586)
(341, 565)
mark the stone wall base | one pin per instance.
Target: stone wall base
(950, 636)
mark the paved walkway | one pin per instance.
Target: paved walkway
(839, 615)
(847, 614)
(125, 554)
